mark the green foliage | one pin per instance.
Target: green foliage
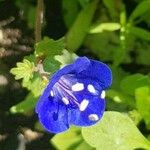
(80, 27)
(65, 58)
(23, 70)
(69, 140)
(140, 10)
(142, 96)
(130, 83)
(108, 31)
(70, 11)
(105, 27)
(26, 105)
(49, 47)
(116, 132)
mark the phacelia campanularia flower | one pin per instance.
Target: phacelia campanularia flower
(75, 95)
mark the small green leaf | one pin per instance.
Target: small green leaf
(50, 64)
(115, 131)
(105, 27)
(142, 8)
(65, 58)
(26, 105)
(49, 47)
(79, 30)
(142, 96)
(140, 33)
(64, 141)
(36, 85)
(130, 83)
(23, 70)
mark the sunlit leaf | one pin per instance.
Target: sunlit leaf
(65, 58)
(65, 141)
(115, 131)
(105, 27)
(23, 70)
(142, 95)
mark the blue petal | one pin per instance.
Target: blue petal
(53, 116)
(95, 70)
(95, 107)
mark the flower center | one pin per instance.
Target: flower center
(64, 89)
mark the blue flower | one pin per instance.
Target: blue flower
(75, 95)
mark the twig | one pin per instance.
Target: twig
(39, 20)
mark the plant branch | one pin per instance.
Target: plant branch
(39, 20)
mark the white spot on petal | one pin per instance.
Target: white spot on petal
(93, 117)
(65, 100)
(52, 93)
(91, 89)
(83, 105)
(103, 94)
(77, 87)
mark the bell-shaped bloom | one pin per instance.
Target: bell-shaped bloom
(75, 95)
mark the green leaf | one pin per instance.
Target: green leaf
(143, 53)
(67, 140)
(115, 131)
(26, 105)
(70, 9)
(50, 64)
(140, 33)
(105, 27)
(23, 70)
(36, 85)
(65, 58)
(110, 5)
(49, 47)
(142, 96)
(130, 83)
(142, 8)
(83, 3)
(120, 97)
(79, 30)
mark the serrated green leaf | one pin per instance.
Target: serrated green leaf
(23, 70)
(79, 30)
(65, 58)
(142, 8)
(115, 131)
(140, 33)
(49, 47)
(142, 96)
(130, 83)
(26, 105)
(64, 141)
(110, 26)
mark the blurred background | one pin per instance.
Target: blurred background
(113, 31)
